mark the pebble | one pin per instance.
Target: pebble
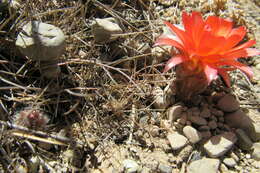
(244, 142)
(216, 112)
(197, 120)
(229, 162)
(104, 30)
(256, 151)
(223, 168)
(228, 103)
(130, 166)
(204, 165)
(50, 42)
(176, 140)
(212, 124)
(175, 112)
(221, 119)
(183, 119)
(205, 134)
(234, 156)
(205, 113)
(218, 145)
(165, 168)
(204, 128)
(195, 111)
(192, 134)
(241, 120)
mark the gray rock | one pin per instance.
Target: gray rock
(212, 124)
(228, 103)
(205, 113)
(256, 151)
(240, 120)
(244, 142)
(204, 165)
(197, 120)
(104, 30)
(230, 162)
(192, 134)
(218, 145)
(130, 166)
(41, 41)
(176, 140)
(165, 168)
(175, 112)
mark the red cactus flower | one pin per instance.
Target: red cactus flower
(208, 46)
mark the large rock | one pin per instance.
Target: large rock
(204, 165)
(41, 41)
(176, 140)
(240, 120)
(218, 145)
(228, 103)
(104, 30)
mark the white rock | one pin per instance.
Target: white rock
(204, 165)
(228, 103)
(192, 134)
(41, 41)
(130, 166)
(256, 151)
(230, 162)
(104, 30)
(218, 145)
(176, 140)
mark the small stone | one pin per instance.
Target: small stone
(176, 140)
(218, 145)
(205, 113)
(223, 168)
(204, 128)
(192, 134)
(216, 112)
(175, 112)
(167, 2)
(230, 162)
(195, 111)
(205, 134)
(212, 124)
(165, 168)
(197, 120)
(204, 165)
(183, 119)
(221, 119)
(248, 156)
(256, 151)
(228, 103)
(241, 120)
(104, 30)
(244, 142)
(130, 166)
(234, 156)
(220, 125)
(155, 131)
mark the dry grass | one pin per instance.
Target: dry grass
(103, 90)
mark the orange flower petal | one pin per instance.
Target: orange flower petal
(245, 69)
(173, 61)
(181, 34)
(242, 46)
(219, 26)
(241, 53)
(169, 41)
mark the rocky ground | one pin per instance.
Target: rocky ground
(92, 96)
